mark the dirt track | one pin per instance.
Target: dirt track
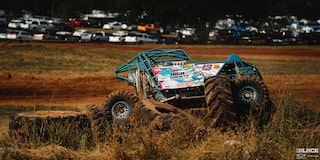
(92, 89)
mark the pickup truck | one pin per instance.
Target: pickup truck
(148, 28)
(100, 36)
(37, 25)
(137, 37)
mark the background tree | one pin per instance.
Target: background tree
(168, 11)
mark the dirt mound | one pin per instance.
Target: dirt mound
(66, 128)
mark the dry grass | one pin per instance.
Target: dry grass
(292, 126)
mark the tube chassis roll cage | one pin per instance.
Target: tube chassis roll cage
(138, 70)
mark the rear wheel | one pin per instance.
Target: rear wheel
(218, 98)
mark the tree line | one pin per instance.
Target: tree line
(168, 11)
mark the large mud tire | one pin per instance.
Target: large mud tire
(143, 115)
(252, 100)
(166, 121)
(67, 128)
(98, 120)
(219, 101)
(250, 94)
(119, 105)
(147, 115)
(158, 117)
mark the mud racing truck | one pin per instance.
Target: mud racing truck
(170, 88)
(169, 84)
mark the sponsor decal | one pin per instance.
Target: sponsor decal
(188, 66)
(187, 84)
(206, 67)
(156, 70)
(179, 74)
(216, 66)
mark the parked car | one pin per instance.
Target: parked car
(149, 28)
(44, 36)
(138, 37)
(100, 37)
(93, 23)
(3, 23)
(187, 31)
(15, 23)
(117, 37)
(67, 36)
(85, 35)
(61, 35)
(80, 23)
(64, 26)
(19, 34)
(75, 22)
(3, 35)
(43, 18)
(37, 25)
(132, 27)
(25, 24)
(73, 39)
(115, 25)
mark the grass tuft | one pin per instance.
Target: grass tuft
(292, 126)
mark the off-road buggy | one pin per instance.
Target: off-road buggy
(170, 86)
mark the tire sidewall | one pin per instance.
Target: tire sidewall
(253, 86)
(219, 100)
(119, 99)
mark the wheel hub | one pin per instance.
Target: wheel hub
(120, 110)
(248, 94)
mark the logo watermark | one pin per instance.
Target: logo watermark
(304, 153)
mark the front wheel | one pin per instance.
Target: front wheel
(218, 98)
(119, 105)
(250, 94)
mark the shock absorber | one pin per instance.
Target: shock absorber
(237, 68)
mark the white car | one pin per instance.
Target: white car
(15, 23)
(26, 23)
(86, 36)
(19, 34)
(117, 37)
(79, 32)
(3, 35)
(115, 25)
(41, 25)
(187, 31)
(137, 37)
